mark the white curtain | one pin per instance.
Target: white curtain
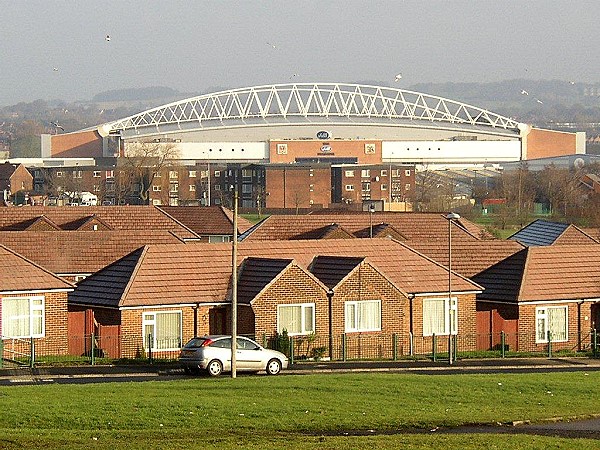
(369, 315)
(290, 319)
(557, 320)
(15, 317)
(434, 316)
(168, 330)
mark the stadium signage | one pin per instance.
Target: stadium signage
(326, 148)
(323, 134)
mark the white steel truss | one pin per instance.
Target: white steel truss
(298, 102)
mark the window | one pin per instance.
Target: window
(192, 188)
(551, 319)
(174, 187)
(192, 174)
(96, 188)
(246, 189)
(204, 174)
(59, 174)
(216, 238)
(173, 174)
(363, 316)
(156, 201)
(217, 173)
(217, 187)
(384, 187)
(77, 174)
(407, 172)
(110, 174)
(247, 174)
(157, 175)
(366, 186)
(397, 173)
(162, 330)
(23, 317)
(156, 188)
(349, 173)
(97, 174)
(407, 187)
(349, 187)
(296, 319)
(438, 314)
(384, 173)
(365, 173)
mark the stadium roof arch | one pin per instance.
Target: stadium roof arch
(300, 104)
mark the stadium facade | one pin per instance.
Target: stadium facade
(321, 122)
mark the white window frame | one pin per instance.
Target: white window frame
(192, 188)
(450, 315)
(355, 305)
(349, 187)
(110, 174)
(303, 308)
(365, 173)
(349, 173)
(192, 174)
(156, 188)
(541, 314)
(32, 307)
(173, 174)
(97, 174)
(147, 321)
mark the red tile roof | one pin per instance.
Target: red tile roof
(19, 274)
(557, 272)
(199, 273)
(412, 226)
(468, 258)
(113, 217)
(212, 220)
(80, 252)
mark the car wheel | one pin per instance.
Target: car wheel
(214, 368)
(273, 367)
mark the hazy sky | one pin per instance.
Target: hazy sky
(192, 46)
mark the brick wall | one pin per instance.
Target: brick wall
(84, 144)
(579, 321)
(547, 143)
(297, 187)
(55, 338)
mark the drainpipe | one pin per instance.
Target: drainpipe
(411, 297)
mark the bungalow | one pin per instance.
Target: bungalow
(33, 304)
(540, 294)
(161, 295)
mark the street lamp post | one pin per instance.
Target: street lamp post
(452, 315)
(330, 303)
(371, 211)
(234, 287)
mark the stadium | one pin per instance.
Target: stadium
(321, 123)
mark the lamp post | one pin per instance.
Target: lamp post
(371, 211)
(452, 316)
(330, 303)
(234, 287)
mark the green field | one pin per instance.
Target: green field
(297, 411)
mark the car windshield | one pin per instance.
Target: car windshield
(196, 342)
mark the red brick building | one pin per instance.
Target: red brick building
(33, 304)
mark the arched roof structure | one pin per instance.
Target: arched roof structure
(314, 103)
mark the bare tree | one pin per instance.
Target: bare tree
(143, 160)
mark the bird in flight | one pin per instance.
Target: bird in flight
(272, 45)
(398, 77)
(56, 125)
(524, 92)
(294, 75)
(539, 101)
(55, 69)
(107, 38)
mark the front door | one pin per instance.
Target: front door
(217, 321)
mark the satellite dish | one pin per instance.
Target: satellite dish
(579, 163)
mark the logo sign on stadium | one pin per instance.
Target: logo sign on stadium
(326, 148)
(323, 134)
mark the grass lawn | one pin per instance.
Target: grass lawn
(303, 411)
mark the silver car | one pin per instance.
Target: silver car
(213, 354)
